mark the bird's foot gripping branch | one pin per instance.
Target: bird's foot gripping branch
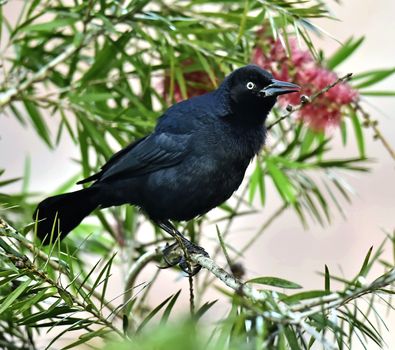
(180, 252)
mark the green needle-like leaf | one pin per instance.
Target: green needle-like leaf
(275, 282)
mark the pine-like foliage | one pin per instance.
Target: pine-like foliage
(105, 70)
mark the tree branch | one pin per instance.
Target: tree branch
(232, 282)
(293, 314)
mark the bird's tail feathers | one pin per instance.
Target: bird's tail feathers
(58, 215)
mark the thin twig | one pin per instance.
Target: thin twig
(377, 133)
(223, 246)
(140, 302)
(262, 229)
(191, 296)
(135, 269)
(339, 300)
(307, 100)
(209, 279)
(342, 79)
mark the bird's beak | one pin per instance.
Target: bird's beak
(277, 88)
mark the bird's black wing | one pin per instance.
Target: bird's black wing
(154, 152)
(111, 161)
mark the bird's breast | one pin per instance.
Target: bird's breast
(234, 144)
(207, 177)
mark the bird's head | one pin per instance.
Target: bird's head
(253, 92)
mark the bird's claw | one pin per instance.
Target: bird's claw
(170, 255)
(189, 268)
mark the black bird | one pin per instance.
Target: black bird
(192, 162)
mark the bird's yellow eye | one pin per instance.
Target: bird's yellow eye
(250, 85)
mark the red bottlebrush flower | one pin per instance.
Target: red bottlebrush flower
(300, 68)
(197, 82)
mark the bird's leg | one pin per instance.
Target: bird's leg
(187, 247)
(171, 251)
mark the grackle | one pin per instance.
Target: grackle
(192, 162)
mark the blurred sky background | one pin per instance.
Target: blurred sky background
(285, 250)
